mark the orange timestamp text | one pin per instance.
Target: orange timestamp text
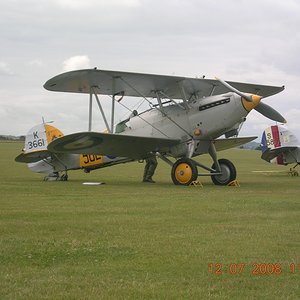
(256, 268)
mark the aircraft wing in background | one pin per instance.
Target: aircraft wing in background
(270, 154)
(280, 145)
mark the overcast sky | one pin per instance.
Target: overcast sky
(256, 41)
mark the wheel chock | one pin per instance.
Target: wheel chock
(196, 183)
(234, 183)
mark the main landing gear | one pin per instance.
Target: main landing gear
(185, 171)
(55, 177)
(227, 172)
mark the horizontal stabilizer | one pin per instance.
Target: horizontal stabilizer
(135, 147)
(32, 157)
(223, 144)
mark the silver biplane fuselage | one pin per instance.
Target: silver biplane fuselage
(205, 120)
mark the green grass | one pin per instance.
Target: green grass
(129, 240)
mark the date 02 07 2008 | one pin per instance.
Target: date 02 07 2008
(257, 269)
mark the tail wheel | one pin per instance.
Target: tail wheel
(228, 172)
(184, 171)
(64, 177)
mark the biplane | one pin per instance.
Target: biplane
(280, 146)
(187, 117)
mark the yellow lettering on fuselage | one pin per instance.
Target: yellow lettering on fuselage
(88, 160)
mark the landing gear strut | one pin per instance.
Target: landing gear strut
(55, 177)
(64, 177)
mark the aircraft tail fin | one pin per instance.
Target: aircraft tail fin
(39, 136)
(36, 142)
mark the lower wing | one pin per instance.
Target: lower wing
(223, 144)
(135, 147)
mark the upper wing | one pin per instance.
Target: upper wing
(223, 144)
(33, 156)
(138, 84)
(135, 147)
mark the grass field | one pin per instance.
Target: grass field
(129, 240)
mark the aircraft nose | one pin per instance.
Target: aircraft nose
(249, 105)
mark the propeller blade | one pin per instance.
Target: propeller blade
(262, 108)
(231, 88)
(270, 112)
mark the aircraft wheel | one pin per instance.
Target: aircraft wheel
(64, 177)
(228, 172)
(184, 171)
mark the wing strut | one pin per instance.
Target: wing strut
(159, 101)
(113, 105)
(212, 90)
(92, 91)
(110, 128)
(90, 110)
(183, 94)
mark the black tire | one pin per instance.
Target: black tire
(184, 172)
(64, 177)
(228, 172)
